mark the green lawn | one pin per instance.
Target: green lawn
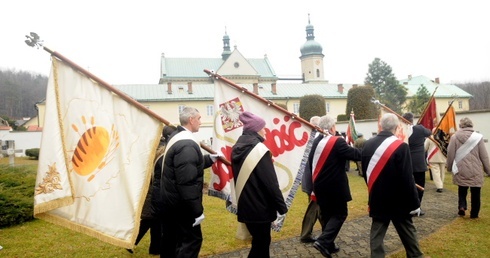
(462, 238)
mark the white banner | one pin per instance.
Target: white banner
(286, 138)
(96, 158)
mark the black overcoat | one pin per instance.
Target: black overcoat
(393, 194)
(331, 186)
(261, 198)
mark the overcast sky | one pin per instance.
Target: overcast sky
(121, 41)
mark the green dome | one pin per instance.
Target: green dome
(311, 47)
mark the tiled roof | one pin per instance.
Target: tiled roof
(34, 128)
(189, 67)
(158, 92)
(194, 67)
(443, 90)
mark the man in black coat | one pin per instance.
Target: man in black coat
(331, 190)
(181, 189)
(417, 151)
(386, 163)
(312, 213)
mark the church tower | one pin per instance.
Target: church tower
(226, 46)
(311, 57)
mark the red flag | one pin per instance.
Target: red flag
(429, 117)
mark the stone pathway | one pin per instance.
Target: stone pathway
(353, 238)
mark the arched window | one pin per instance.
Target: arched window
(318, 73)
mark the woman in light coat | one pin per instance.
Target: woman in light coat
(467, 159)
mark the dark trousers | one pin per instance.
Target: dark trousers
(312, 214)
(419, 178)
(155, 234)
(406, 231)
(475, 199)
(179, 238)
(359, 168)
(261, 239)
(333, 217)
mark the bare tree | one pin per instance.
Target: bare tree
(480, 92)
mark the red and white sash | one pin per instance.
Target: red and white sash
(433, 150)
(380, 158)
(322, 152)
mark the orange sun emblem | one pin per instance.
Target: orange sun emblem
(94, 149)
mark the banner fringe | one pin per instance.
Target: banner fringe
(84, 229)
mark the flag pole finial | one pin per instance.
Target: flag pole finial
(33, 40)
(375, 101)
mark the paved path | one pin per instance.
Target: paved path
(353, 238)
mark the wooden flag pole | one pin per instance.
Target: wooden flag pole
(391, 111)
(122, 95)
(265, 101)
(104, 84)
(406, 121)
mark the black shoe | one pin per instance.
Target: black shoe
(473, 217)
(334, 249)
(439, 190)
(129, 250)
(322, 250)
(461, 212)
(307, 240)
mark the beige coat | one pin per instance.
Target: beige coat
(472, 166)
(438, 157)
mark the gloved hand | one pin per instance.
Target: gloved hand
(415, 212)
(214, 157)
(280, 218)
(198, 220)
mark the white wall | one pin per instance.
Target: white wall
(481, 121)
(23, 141)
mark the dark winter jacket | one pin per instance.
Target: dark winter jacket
(331, 186)
(416, 143)
(182, 179)
(393, 194)
(155, 209)
(261, 197)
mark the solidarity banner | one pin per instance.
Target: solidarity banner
(287, 137)
(96, 158)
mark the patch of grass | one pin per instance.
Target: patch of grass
(18, 161)
(41, 239)
(464, 237)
